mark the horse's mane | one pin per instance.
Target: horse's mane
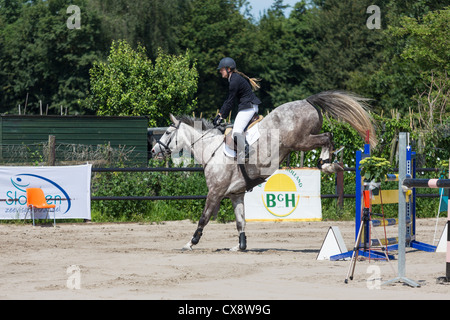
(191, 121)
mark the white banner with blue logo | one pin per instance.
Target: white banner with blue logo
(67, 187)
(287, 195)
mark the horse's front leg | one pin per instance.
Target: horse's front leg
(239, 212)
(211, 207)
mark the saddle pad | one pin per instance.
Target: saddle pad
(251, 136)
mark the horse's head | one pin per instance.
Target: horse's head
(168, 142)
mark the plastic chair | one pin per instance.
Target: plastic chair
(36, 199)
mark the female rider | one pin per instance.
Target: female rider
(240, 88)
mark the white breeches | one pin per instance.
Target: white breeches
(243, 118)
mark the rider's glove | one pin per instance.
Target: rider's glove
(217, 120)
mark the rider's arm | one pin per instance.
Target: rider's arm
(232, 94)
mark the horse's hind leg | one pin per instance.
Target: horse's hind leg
(325, 141)
(211, 207)
(325, 159)
(238, 206)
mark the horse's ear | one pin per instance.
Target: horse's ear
(174, 120)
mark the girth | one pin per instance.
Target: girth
(250, 183)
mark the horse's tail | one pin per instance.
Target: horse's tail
(347, 107)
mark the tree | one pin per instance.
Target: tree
(284, 51)
(44, 59)
(342, 43)
(428, 48)
(10, 10)
(151, 23)
(212, 30)
(130, 84)
(413, 43)
(428, 43)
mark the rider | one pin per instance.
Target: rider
(240, 87)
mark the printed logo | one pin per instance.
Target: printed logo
(280, 196)
(24, 180)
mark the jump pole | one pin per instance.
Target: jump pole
(435, 183)
(447, 265)
(446, 279)
(401, 277)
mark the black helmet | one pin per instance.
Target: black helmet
(227, 63)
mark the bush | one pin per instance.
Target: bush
(130, 84)
(152, 184)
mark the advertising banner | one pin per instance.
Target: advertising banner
(67, 187)
(287, 195)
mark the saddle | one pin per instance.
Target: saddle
(256, 118)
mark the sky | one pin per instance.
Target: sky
(258, 6)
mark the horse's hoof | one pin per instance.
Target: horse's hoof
(337, 167)
(187, 247)
(235, 249)
(242, 241)
(331, 168)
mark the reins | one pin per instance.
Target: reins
(166, 145)
(202, 136)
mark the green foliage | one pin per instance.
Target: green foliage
(413, 46)
(41, 57)
(431, 152)
(212, 30)
(291, 41)
(427, 43)
(152, 184)
(343, 44)
(120, 184)
(151, 23)
(130, 84)
(443, 164)
(322, 45)
(374, 168)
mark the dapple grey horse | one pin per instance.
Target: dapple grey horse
(293, 126)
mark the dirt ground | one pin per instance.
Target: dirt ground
(145, 261)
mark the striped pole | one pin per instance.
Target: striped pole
(435, 183)
(427, 183)
(447, 272)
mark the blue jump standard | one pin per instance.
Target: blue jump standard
(363, 253)
(410, 181)
(380, 255)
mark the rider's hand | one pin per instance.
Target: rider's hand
(217, 120)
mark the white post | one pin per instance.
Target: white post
(403, 137)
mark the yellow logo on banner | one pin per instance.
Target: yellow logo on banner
(280, 196)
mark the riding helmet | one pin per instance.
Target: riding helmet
(227, 63)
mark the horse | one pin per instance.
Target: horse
(293, 126)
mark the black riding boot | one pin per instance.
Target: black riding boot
(242, 148)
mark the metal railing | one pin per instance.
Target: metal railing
(337, 195)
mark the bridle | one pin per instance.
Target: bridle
(166, 147)
(167, 151)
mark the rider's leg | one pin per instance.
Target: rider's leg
(240, 123)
